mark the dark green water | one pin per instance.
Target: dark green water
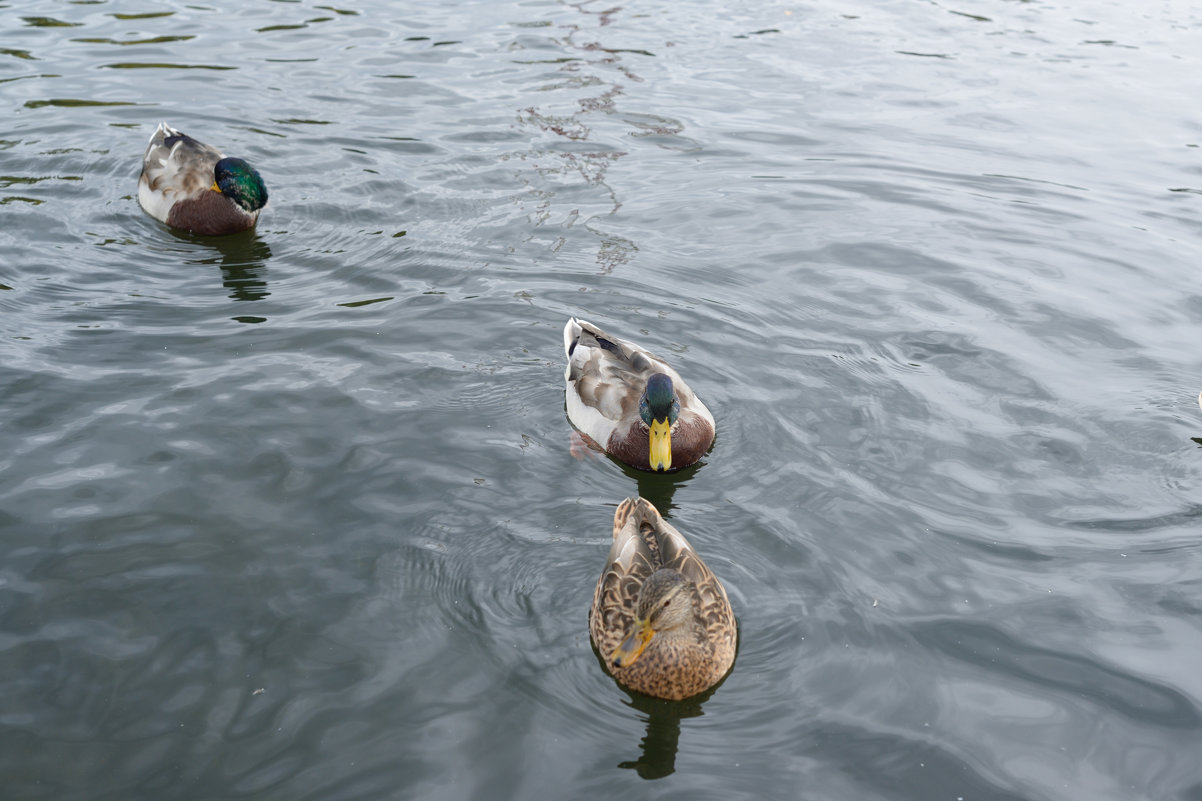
(293, 515)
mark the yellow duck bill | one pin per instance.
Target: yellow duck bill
(661, 444)
(633, 646)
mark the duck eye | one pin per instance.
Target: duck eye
(667, 602)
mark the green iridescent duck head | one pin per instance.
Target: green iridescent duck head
(241, 183)
(659, 409)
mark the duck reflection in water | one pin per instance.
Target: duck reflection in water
(661, 738)
(242, 258)
(659, 488)
(660, 742)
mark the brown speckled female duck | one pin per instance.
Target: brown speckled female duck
(660, 618)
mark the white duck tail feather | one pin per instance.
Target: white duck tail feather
(571, 332)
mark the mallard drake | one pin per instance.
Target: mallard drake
(190, 185)
(629, 403)
(660, 618)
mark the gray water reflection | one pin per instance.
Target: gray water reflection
(660, 488)
(994, 650)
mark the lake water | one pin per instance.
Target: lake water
(292, 514)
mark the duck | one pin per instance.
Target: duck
(195, 187)
(629, 403)
(660, 619)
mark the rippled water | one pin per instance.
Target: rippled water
(292, 514)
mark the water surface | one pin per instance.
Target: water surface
(292, 514)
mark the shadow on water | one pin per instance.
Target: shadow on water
(662, 736)
(243, 261)
(660, 487)
(655, 487)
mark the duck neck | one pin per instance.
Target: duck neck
(681, 640)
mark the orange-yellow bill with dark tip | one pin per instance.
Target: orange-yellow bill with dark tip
(633, 646)
(661, 444)
(215, 187)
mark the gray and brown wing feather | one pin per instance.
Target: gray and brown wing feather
(715, 612)
(607, 386)
(177, 166)
(631, 560)
(610, 373)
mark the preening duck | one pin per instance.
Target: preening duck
(195, 187)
